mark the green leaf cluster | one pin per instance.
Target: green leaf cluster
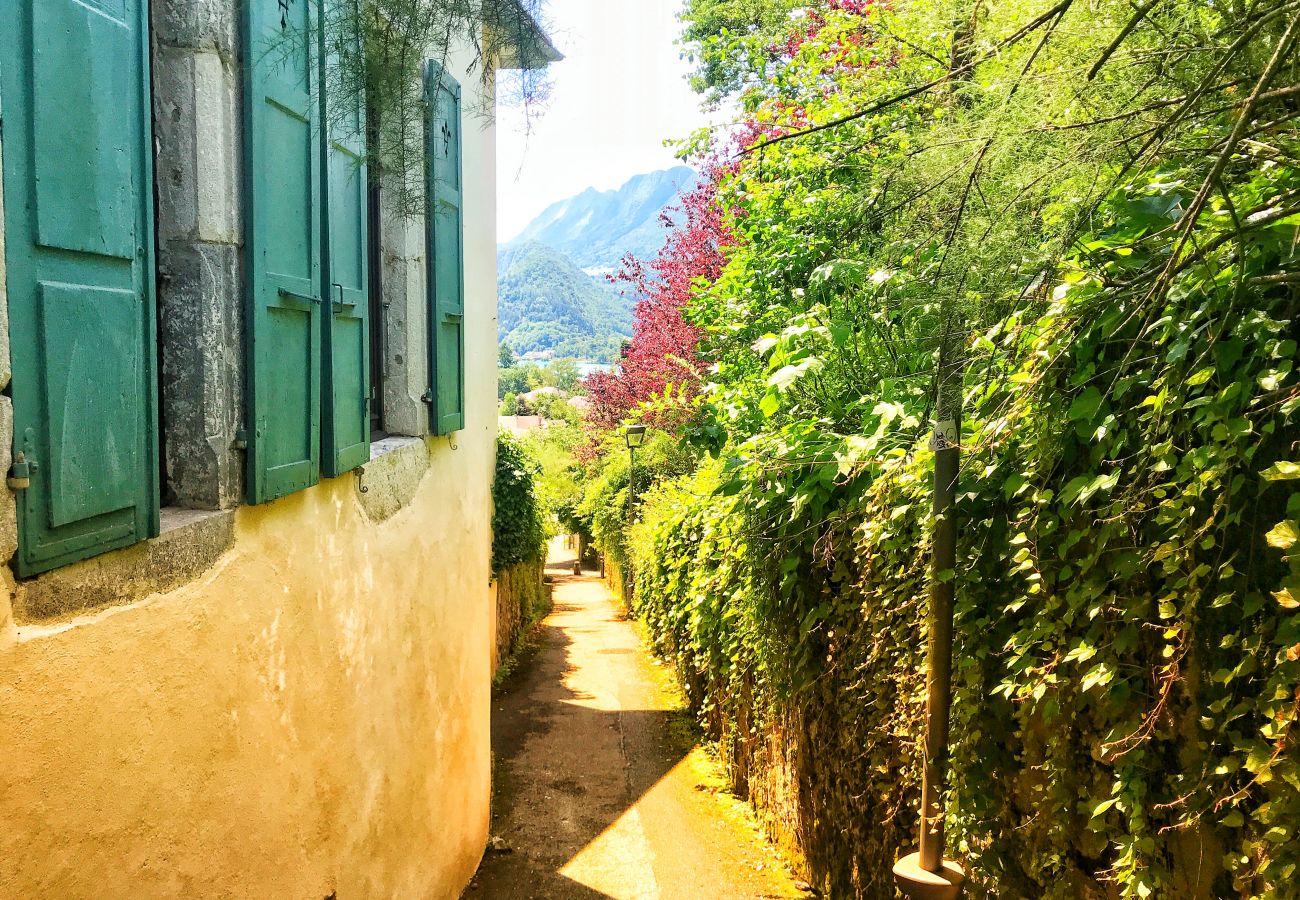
(1093, 227)
(518, 517)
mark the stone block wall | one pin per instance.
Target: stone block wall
(523, 599)
(198, 129)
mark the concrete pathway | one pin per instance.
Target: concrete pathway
(600, 790)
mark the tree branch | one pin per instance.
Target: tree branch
(1055, 12)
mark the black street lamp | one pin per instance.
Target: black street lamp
(634, 435)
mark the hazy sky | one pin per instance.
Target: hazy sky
(619, 93)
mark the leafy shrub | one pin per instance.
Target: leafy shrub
(615, 491)
(518, 522)
(1093, 228)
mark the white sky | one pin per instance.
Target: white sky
(619, 93)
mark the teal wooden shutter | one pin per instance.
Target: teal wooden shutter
(79, 252)
(283, 244)
(346, 431)
(443, 217)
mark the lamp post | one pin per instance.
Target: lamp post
(927, 874)
(634, 435)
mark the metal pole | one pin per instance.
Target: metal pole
(926, 874)
(631, 481)
(947, 462)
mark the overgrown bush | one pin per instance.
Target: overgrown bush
(1087, 216)
(614, 490)
(518, 519)
(559, 481)
(1128, 647)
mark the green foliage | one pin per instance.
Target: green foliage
(728, 42)
(548, 303)
(1127, 621)
(518, 521)
(555, 408)
(559, 482)
(614, 490)
(518, 379)
(563, 374)
(1094, 225)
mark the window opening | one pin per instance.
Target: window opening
(378, 317)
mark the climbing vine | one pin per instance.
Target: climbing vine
(518, 520)
(1090, 213)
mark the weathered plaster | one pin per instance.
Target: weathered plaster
(392, 477)
(8, 502)
(290, 700)
(406, 323)
(197, 24)
(196, 113)
(8, 628)
(308, 718)
(165, 563)
(202, 373)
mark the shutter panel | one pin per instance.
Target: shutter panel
(79, 253)
(346, 423)
(443, 222)
(283, 247)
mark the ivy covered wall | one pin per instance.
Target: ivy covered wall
(1086, 214)
(1128, 648)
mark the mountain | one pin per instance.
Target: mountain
(596, 229)
(548, 303)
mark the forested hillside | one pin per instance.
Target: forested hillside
(596, 229)
(547, 303)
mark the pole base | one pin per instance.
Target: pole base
(919, 884)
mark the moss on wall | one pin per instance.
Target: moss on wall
(523, 600)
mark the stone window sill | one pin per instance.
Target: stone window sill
(391, 444)
(190, 542)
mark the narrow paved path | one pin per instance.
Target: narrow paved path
(600, 791)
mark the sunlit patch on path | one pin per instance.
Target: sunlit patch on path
(597, 794)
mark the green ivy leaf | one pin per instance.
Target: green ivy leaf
(1282, 471)
(1085, 405)
(1283, 535)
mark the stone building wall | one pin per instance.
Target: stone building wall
(289, 700)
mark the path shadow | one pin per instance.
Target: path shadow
(547, 817)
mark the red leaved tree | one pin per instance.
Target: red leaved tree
(663, 348)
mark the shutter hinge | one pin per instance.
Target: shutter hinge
(20, 475)
(241, 440)
(427, 396)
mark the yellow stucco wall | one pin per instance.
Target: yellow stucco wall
(309, 717)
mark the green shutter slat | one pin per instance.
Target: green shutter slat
(283, 247)
(346, 420)
(444, 226)
(79, 255)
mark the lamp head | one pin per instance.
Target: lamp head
(634, 435)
